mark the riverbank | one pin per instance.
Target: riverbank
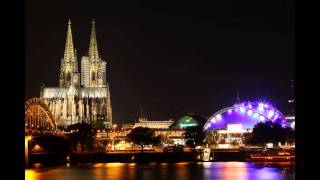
(54, 158)
(134, 157)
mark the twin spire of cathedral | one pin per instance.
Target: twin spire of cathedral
(93, 47)
(92, 74)
(70, 52)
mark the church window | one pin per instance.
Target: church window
(93, 76)
(68, 76)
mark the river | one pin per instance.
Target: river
(154, 171)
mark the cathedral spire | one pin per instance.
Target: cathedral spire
(69, 51)
(75, 61)
(93, 48)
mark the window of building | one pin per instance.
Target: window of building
(93, 76)
(68, 76)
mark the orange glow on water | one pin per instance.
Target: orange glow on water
(113, 165)
(30, 175)
(235, 169)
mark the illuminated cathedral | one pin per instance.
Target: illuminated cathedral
(81, 96)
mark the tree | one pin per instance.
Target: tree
(156, 140)
(268, 132)
(194, 136)
(143, 136)
(82, 136)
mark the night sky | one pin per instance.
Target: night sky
(169, 59)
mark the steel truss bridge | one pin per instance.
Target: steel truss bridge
(38, 118)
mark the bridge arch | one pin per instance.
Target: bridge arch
(38, 116)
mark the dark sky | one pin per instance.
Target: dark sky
(170, 59)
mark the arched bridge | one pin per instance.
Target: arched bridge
(38, 117)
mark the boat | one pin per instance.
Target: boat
(281, 156)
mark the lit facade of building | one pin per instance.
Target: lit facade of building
(154, 124)
(144, 122)
(228, 125)
(171, 136)
(80, 97)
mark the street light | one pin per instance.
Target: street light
(114, 126)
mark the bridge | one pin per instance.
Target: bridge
(38, 118)
(38, 121)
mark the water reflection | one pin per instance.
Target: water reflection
(182, 170)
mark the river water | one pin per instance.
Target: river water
(154, 171)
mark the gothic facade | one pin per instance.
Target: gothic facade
(80, 97)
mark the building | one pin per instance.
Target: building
(189, 120)
(144, 122)
(80, 97)
(228, 125)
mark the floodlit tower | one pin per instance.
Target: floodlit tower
(69, 66)
(93, 68)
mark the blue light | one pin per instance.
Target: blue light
(242, 110)
(270, 113)
(249, 112)
(255, 115)
(260, 108)
(262, 118)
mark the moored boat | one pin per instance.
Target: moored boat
(281, 156)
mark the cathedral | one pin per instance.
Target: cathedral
(81, 96)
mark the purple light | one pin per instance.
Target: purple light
(219, 117)
(248, 114)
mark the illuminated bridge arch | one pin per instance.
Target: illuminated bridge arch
(247, 114)
(38, 116)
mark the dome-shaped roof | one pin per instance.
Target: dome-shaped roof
(190, 120)
(247, 114)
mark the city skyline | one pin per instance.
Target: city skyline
(170, 62)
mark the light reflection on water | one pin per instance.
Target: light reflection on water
(182, 170)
